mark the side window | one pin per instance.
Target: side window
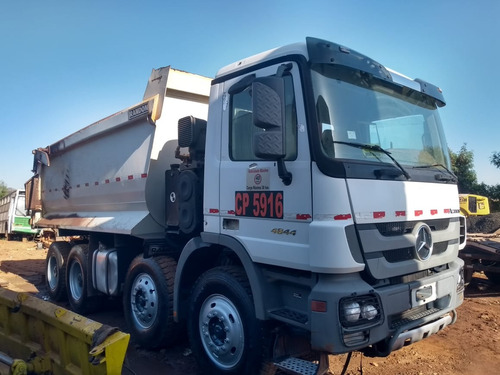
(242, 129)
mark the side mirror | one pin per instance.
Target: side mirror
(268, 108)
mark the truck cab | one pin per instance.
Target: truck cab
(330, 175)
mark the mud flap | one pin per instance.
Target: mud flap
(51, 339)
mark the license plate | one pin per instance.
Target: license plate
(423, 294)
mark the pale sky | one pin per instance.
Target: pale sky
(66, 64)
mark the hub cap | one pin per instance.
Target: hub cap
(76, 281)
(52, 273)
(144, 300)
(221, 331)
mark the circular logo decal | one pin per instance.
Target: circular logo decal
(423, 241)
(257, 179)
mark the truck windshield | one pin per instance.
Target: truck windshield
(355, 108)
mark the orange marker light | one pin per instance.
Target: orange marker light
(318, 306)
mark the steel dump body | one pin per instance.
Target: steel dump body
(109, 176)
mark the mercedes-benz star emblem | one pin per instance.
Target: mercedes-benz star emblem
(423, 241)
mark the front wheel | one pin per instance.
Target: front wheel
(225, 335)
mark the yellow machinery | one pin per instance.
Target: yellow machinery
(38, 337)
(482, 250)
(473, 205)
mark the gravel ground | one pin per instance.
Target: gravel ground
(470, 346)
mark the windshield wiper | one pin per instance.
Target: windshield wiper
(440, 177)
(376, 148)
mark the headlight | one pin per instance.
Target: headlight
(358, 311)
(369, 312)
(352, 312)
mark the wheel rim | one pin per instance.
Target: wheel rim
(52, 273)
(144, 301)
(75, 281)
(221, 331)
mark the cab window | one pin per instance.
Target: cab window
(242, 129)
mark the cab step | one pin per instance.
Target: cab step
(290, 316)
(297, 366)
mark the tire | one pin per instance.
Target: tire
(148, 301)
(77, 282)
(225, 335)
(55, 268)
(494, 277)
(468, 276)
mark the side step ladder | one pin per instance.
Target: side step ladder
(297, 366)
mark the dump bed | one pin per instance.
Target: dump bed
(110, 175)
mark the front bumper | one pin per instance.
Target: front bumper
(414, 335)
(403, 319)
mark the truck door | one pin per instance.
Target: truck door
(267, 216)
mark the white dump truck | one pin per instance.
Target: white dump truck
(299, 202)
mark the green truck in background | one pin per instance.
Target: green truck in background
(14, 224)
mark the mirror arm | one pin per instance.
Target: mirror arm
(283, 173)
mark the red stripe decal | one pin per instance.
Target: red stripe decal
(303, 216)
(96, 183)
(447, 211)
(419, 212)
(130, 177)
(400, 213)
(106, 181)
(434, 212)
(87, 184)
(342, 217)
(230, 212)
(213, 211)
(379, 215)
(118, 179)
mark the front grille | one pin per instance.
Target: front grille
(389, 249)
(408, 253)
(440, 247)
(399, 255)
(399, 228)
(395, 229)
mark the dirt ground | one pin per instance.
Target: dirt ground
(470, 346)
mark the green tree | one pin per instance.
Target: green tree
(462, 164)
(495, 159)
(3, 189)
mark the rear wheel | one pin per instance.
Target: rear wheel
(77, 282)
(55, 266)
(148, 301)
(225, 335)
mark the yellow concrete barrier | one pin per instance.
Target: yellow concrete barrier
(46, 338)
